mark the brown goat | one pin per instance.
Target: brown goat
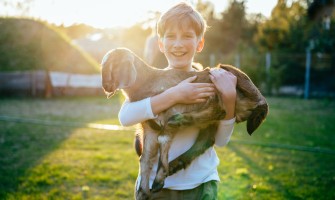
(122, 69)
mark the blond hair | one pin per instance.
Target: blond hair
(183, 15)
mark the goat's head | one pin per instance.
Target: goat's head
(118, 70)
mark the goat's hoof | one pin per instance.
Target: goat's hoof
(157, 186)
(141, 195)
(158, 183)
(178, 120)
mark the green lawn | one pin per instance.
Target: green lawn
(55, 161)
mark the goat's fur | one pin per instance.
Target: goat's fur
(122, 69)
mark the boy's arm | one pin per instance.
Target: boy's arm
(132, 113)
(224, 132)
(185, 92)
(226, 125)
(225, 82)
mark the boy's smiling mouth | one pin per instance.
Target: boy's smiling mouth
(178, 54)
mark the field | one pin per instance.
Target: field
(47, 151)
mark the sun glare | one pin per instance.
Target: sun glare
(110, 13)
(98, 13)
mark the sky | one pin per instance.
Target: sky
(114, 13)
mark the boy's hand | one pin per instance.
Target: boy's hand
(225, 83)
(187, 92)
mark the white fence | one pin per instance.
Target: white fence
(43, 83)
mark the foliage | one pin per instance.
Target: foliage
(230, 37)
(64, 162)
(76, 31)
(134, 38)
(288, 34)
(273, 33)
(29, 45)
(22, 7)
(232, 29)
(233, 37)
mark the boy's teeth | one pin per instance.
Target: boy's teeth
(178, 54)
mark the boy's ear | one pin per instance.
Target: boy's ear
(160, 45)
(201, 44)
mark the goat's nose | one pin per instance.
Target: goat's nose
(107, 86)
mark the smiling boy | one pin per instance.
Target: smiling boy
(181, 35)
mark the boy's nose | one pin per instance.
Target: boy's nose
(177, 43)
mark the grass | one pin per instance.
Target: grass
(63, 162)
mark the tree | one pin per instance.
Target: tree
(21, 6)
(226, 32)
(77, 30)
(134, 38)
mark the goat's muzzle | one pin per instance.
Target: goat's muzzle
(109, 89)
(109, 94)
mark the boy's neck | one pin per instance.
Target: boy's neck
(186, 68)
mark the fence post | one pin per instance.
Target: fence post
(267, 62)
(237, 60)
(267, 71)
(47, 84)
(212, 59)
(307, 72)
(33, 81)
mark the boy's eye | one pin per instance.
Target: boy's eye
(188, 36)
(169, 36)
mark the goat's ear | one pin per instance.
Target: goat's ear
(257, 116)
(107, 82)
(125, 75)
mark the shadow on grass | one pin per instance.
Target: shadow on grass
(289, 174)
(261, 171)
(23, 146)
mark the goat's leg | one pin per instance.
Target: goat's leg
(163, 165)
(205, 140)
(146, 162)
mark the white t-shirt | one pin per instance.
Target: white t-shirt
(202, 169)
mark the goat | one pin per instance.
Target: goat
(122, 69)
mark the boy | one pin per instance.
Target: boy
(181, 34)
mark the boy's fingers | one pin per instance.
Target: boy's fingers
(200, 100)
(190, 79)
(206, 89)
(207, 94)
(202, 85)
(217, 70)
(212, 78)
(204, 95)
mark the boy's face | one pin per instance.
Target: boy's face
(179, 44)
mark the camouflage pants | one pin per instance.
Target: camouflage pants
(205, 191)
